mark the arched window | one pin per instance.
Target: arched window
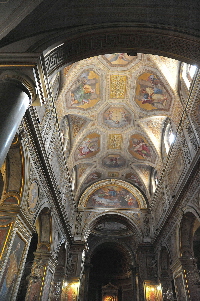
(73, 178)
(196, 246)
(168, 136)
(154, 180)
(188, 73)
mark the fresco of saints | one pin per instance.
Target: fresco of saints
(154, 96)
(140, 148)
(82, 94)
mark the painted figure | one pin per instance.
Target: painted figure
(140, 147)
(116, 117)
(151, 93)
(114, 161)
(119, 58)
(85, 89)
(87, 146)
(154, 96)
(11, 271)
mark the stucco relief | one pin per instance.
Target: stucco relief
(118, 86)
(177, 170)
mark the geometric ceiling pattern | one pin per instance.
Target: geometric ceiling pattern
(112, 109)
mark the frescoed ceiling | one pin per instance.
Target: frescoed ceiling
(112, 110)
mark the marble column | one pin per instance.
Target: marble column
(14, 99)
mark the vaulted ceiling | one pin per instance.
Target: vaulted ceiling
(112, 111)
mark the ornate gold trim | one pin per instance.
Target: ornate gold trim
(11, 194)
(7, 236)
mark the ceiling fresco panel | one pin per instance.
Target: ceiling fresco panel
(117, 117)
(89, 147)
(112, 196)
(140, 148)
(85, 92)
(82, 168)
(151, 94)
(94, 176)
(112, 193)
(76, 124)
(134, 179)
(119, 59)
(114, 161)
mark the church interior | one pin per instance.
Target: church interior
(99, 150)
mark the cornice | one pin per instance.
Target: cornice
(40, 151)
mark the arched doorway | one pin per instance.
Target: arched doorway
(196, 244)
(110, 274)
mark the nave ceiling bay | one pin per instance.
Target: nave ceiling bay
(114, 111)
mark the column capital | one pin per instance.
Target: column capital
(23, 81)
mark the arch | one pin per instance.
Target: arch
(116, 38)
(196, 243)
(111, 262)
(119, 216)
(121, 246)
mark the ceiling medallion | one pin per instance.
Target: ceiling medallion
(117, 117)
